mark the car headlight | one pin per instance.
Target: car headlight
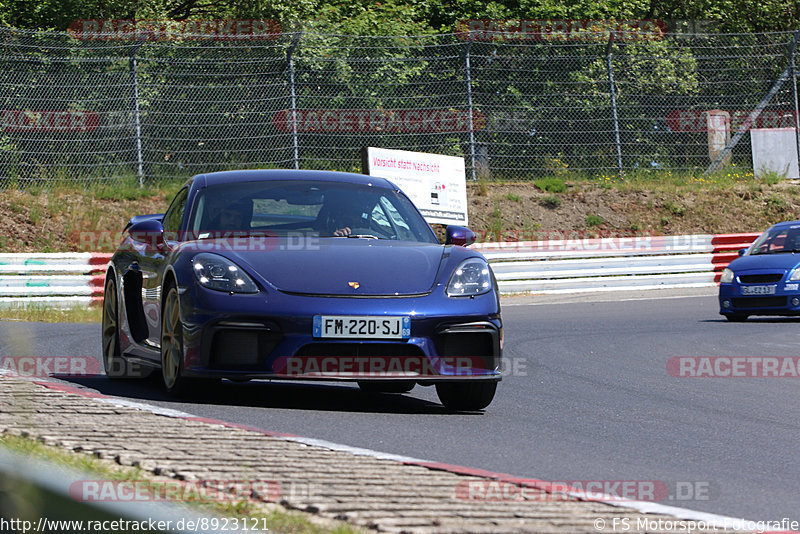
(216, 272)
(472, 277)
(727, 276)
(795, 275)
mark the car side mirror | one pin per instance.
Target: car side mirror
(149, 232)
(742, 251)
(459, 235)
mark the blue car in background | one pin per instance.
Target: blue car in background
(765, 279)
(302, 275)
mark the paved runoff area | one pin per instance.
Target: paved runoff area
(364, 488)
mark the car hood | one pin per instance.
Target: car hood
(345, 267)
(781, 261)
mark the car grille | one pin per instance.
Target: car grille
(365, 350)
(477, 346)
(361, 360)
(242, 348)
(760, 278)
(759, 302)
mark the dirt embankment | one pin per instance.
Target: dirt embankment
(75, 221)
(507, 210)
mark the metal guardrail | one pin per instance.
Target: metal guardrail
(612, 264)
(58, 279)
(550, 266)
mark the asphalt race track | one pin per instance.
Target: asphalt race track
(589, 398)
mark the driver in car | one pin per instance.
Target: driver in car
(341, 215)
(346, 223)
(234, 217)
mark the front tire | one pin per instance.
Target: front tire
(115, 365)
(172, 343)
(466, 396)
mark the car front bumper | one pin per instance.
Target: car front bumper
(785, 301)
(269, 335)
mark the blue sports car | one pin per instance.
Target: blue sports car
(765, 279)
(305, 275)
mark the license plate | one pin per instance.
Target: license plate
(758, 290)
(362, 327)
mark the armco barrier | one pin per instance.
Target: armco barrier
(612, 264)
(549, 266)
(59, 279)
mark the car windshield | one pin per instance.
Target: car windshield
(777, 240)
(320, 208)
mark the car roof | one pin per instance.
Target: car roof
(258, 175)
(785, 224)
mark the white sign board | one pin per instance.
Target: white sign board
(436, 184)
(774, 150)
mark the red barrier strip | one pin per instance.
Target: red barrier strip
(732, 241)
(98, 261)
(97, 283)
(100, 258)
(723, 243)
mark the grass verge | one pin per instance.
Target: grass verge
(45, 314)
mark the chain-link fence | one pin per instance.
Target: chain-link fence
(107, 109)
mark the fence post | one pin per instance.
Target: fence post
(612, 88)
(293, 98)
(136, 118)
(468, 79)
(745, 127)
(793, 65)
